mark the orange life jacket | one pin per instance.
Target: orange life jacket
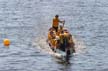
(55, 22)
(49, 36)
(53, 42)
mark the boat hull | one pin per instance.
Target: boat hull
(64, 55)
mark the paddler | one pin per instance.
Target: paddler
(56, 22)
(59, 30)
(50, 34)
(64, 41)
(53, 42)
(62, 47)
(70, 42)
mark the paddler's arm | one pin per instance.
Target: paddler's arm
(63, 22)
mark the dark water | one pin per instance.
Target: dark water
(25, 23)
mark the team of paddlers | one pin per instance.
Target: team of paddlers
(59, 37)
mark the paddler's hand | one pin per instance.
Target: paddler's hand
(63, 21)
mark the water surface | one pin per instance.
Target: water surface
(25, 23)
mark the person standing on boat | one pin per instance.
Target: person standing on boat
(56, 22)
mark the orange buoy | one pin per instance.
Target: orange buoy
(6, 42)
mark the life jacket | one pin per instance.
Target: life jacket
(49, 36)
(53, 42)
(59, 31)
(64, 39)
(61, 38)
(55, 22)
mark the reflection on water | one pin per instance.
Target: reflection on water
(25, 23)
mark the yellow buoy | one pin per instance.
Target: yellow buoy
(6, 42)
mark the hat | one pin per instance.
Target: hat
(56, 15)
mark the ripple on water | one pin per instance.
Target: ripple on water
(26, 22)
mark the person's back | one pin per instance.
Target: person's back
(55, 22)
(49, 36)
(62, 45)
(50, 33)
(61, 38)
(53, 43)
(65, 40)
